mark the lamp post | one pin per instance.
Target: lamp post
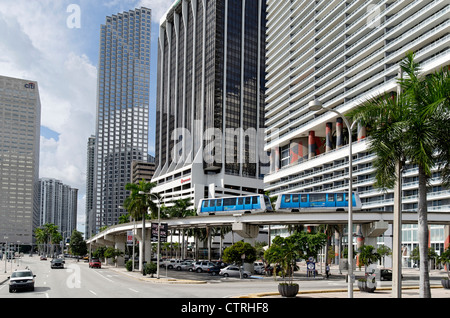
(159, 230)
(317, 105)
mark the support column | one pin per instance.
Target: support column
(120, 245)
(294, 151)
(311, 144)
(361, 132)
(329, 141)
(339, 136)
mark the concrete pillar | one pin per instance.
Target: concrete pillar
(339, 135)
(328, 137)
(120, 259)
(311, 144)
(294, 150)
(361, 132)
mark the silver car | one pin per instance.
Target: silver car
(21, 279)
(233, 270)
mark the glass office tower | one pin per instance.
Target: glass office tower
(122, 108)
(20, 121)
(210, 99)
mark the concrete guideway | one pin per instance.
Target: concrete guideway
(274, 218)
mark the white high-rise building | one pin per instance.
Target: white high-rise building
(58, 204)
(343, 52)
(20, 121)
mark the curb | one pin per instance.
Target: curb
(325, 291)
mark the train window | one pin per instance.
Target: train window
(319, 197)
(304, 198)
(254, 200)
(287, 198)
(219, 202)
(206, 203)
(212, 203)
(339, 197)
(248, 200)
(229, 201)
(267, 202)
(240, 201)
(331, 197)
(295, 198)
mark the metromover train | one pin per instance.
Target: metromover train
(298, 202)
(286, 202)
(257, 203)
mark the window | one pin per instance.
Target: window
(206, 204)
(254, 200)
(248, 200)
(339, 197)
(330, 197)
(317, 197)
(287, 198)
(295, 198)
(304, 198)
(229, 201)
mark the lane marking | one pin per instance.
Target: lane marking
(93, 292)
(133, 290)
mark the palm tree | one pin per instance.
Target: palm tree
(406, 128)
(137, 204)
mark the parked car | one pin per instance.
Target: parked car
(213, 270)
(185, 265)
(21, 279)
(95, 262)
(233, 270)
(57, 263)
(258, 267)
(43, 258)
(200, 266)
(170, 263)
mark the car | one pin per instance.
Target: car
(21, 279)
(233, 270)
(200, 266)
(95, 263)
(43, 258)
(57, 263)
(386, 274)
(258, 267)
(213, 270)
(185, 265)
(170, 263)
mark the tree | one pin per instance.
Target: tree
(234, 253)
(48, 235)
(77, 244)
(368, 255)
(137, 204)
(445, 260)
(410, 127)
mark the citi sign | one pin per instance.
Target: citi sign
(30, 85)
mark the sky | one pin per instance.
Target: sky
(56, 43)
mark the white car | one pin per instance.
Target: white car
(232, 270)
(258, 267)
(185, 265)
(21, 279)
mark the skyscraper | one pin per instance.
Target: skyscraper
(20, 120)
(343, 53)
(89, 224)
(58, 205)
(210, 99)
(122, 108)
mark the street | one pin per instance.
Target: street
(77, 280)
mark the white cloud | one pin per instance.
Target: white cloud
(36, 44)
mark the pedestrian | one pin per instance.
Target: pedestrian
(327, 270)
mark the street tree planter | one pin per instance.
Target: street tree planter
(367, 286)
(288, 289)
(445, 283)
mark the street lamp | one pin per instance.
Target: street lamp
(317, 105)
(159, 230)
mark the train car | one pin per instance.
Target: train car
(257, 203)
(298, 202)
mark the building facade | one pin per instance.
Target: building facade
(210, 99)
(122, 109)
(89, 226)
(342, 53)
(20, 120)
(58, 204)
